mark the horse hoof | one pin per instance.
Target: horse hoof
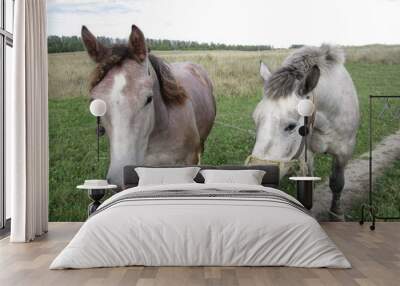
(336, 207)
(337, 210)
(336, 216)
(372, 227)
(336, 213)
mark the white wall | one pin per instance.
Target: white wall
(8, 83)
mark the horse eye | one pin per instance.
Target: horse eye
(148, 100)
(290, 127)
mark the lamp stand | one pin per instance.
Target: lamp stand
(305, 141)
(303, 131)
(98, 138)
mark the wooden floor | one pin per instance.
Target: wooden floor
(375, 257)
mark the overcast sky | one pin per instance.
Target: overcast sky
(276, 22)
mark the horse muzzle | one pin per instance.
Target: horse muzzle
(294, 166)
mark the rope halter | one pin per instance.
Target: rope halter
(295, 165)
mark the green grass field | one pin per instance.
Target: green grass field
(238, 89)
(385, 195)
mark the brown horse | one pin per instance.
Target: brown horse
(157, 113)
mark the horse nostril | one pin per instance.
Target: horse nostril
(149, 99)
(100, 130)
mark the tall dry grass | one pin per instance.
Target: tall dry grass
(69, 74)
(374, 54)
(232, 72)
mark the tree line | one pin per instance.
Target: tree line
(65, 44)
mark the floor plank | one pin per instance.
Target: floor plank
(375, 257)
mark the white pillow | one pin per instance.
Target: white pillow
(248, 177)
(163, 176)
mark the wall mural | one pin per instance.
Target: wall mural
(185, 103)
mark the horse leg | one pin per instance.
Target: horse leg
(200, 152)
(336, 183)
(194, 157)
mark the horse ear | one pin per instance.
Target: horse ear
(96, 50)
(137, 44)
(310, 81)
(264, 71)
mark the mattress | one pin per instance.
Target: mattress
(201, 225)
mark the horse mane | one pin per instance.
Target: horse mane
(171, 91)
(117, 55)
(296, 67)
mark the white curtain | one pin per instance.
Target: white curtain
(27, 124)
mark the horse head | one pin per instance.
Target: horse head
(276, 117)
(124, 79)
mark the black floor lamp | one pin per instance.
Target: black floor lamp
(97, 187)
(98, 108)
(306, 109)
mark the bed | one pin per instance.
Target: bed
(199, 224)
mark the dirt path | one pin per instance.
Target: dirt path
(357, 176)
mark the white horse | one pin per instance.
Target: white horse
(317, 73)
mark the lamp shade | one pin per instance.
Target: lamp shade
(98, 107)
(305, 107)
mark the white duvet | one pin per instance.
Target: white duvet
(200, 231)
